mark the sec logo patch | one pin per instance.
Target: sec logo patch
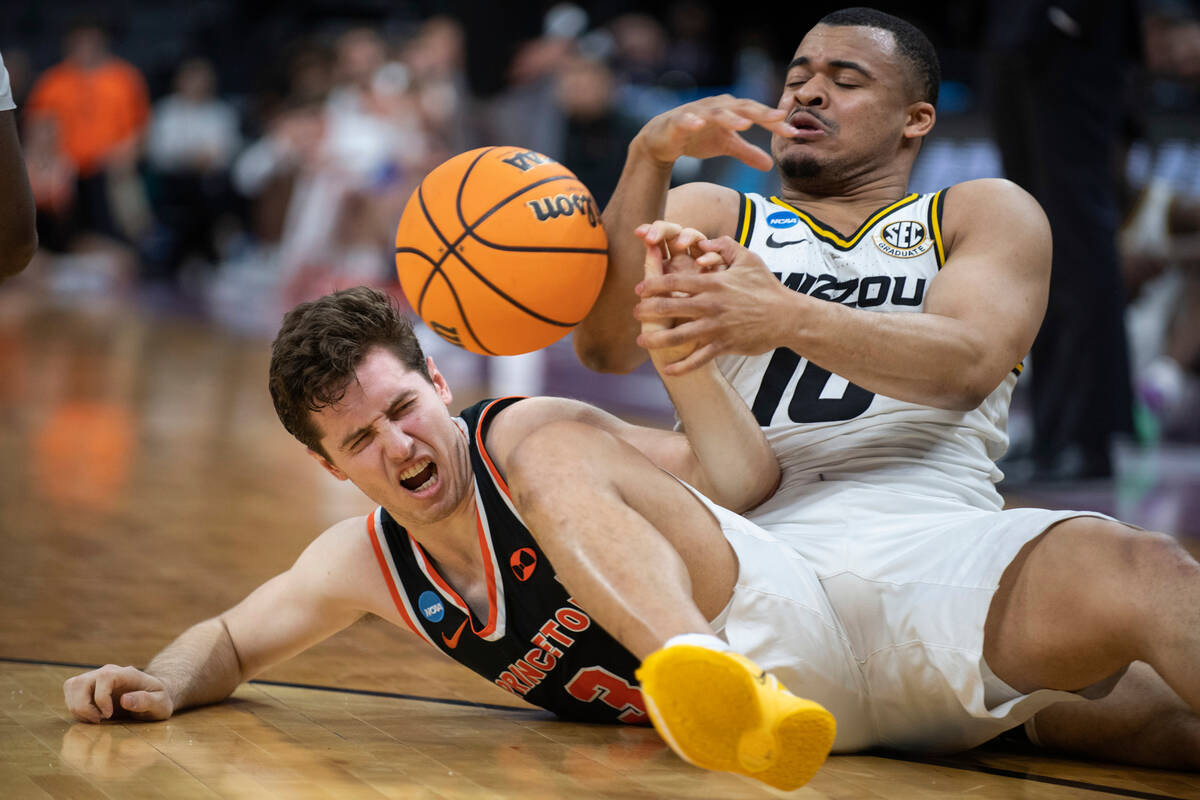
(903, 239)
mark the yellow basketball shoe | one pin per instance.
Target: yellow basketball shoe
(720, 711)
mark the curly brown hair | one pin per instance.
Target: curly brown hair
(320, 346)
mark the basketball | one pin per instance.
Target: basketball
(501, 250)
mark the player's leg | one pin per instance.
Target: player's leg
(649, 561)
(642, 554)
(1142, 721)
(1090, 596)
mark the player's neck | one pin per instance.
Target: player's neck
(848, 206)
(453, 544)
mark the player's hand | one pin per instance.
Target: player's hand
(730, 304)
(669, 248)
(712, 127)
(113, 691)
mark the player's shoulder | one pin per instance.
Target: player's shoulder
(988, 194)
(342, 543)
(517, 421)
(708, 207)
(995, 204)
(340, 563)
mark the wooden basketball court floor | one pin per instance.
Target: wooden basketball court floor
(145, 484)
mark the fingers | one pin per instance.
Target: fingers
(103, 693)
(709, 262)
(653, 265)
(751, 155)
(673, 241)
(97, 695)
(676, 284)
(730, 111)
(698, 358)
(147, 705)
(78, 692)
(729, 251)
(692, 337)
(711, 127)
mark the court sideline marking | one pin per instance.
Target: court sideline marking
(933, 762)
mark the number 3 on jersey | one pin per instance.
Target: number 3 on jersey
(597, 683)
(807, 404)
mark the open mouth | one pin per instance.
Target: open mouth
(419, 476)
(805, 123)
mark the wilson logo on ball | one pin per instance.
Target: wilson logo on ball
(526, 160)
(565, 205)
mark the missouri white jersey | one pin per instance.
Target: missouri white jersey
(824, 428)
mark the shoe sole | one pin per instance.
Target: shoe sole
(710, 710)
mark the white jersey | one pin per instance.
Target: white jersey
(824, 428)
(6, 98)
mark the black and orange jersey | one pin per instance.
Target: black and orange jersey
(536, 641)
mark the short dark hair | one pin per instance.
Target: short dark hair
(321, 344)
(913, 45)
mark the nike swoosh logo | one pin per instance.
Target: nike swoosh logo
(452, 641)
(772, 243)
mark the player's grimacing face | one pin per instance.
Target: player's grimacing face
(391, 435)
(847, 90)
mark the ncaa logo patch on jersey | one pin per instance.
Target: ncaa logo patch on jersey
(903, 239)
(782, 219)
(431, 606)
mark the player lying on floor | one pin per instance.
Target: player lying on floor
(563, 555)
(541, 542)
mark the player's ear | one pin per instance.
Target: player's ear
(439, 382)
(328, 465)
(921, 116)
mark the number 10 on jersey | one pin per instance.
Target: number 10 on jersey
(807, 403)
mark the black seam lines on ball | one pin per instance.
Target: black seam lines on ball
(437, 270)
(469, 231)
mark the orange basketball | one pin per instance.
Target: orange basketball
(501, 251)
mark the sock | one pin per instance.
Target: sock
(706, 640)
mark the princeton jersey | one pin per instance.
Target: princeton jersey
(536, 642)
(825, 428)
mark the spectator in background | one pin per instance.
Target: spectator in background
(1160, 248)
(436, 61)
(18, 232)
(691, 56)
(193, 138)
(98, 107)
(1057, 77)
(349, 164)
(596, 133)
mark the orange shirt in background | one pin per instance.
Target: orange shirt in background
(95, 109)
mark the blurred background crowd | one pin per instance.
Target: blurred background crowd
(226, 159)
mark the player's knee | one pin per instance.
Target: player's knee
(552, 460)
(1130, 570)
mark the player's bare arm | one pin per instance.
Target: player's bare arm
(705, 128)
(724, 453)
(331, 585)
(731, 463)
(981, 313)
